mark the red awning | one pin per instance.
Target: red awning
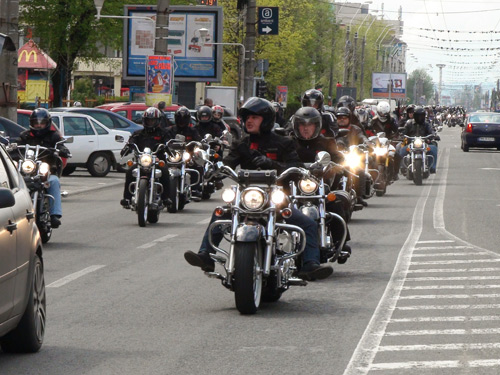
(30, 56)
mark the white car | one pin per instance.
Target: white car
(95, 146)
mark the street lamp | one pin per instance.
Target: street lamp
(203, 34)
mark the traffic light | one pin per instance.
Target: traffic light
(261, 89)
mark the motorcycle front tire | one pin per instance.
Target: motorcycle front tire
(418, 172)
(142, 203)
(173, 195)
(247, 283)
(43, 220)
(382, 182)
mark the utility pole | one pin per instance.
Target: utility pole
(9, 18)
(354, 52)
(330, 87)
(440, 66)
(346, 56)
(161, 44)
(251, 21)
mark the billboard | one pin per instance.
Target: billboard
(281, 95)
(195, 58)
(381, 82)
(159, 80)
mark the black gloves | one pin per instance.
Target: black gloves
(437, 137)
(262, 162)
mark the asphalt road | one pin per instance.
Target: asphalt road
(419, 294)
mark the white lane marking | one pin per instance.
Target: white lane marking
(451, 296)
(453, 270)
(366, 349)
(74, 276)
(458, 346)
(158, 240)
(447, 319)
(464, 286)
(463, 254)
(441, 248)
(453, 278)
(490, 169)
(449, 307)
(435, 241)
(432, 332)
(464, 261)
(204, 221)
(435, 364)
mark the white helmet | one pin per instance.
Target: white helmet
(77, 104)
(383, 111)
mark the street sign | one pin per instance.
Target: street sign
(268, 20)
(262, 65)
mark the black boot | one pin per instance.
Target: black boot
(202, 260)
(314, 271)
(54, 221)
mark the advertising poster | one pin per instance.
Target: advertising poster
(159, 80)
(141, 36)
(281, 95)
(381, 82)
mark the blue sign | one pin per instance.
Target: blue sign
(268, 20)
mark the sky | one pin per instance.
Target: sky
(462, 34)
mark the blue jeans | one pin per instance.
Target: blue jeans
(434, 152)
(54, 189)
(310, 227)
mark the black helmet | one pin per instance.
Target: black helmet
(343, 112)
(313, 97)
(182, 117)
(151, 118)
(307, 116)
(204, 114)
(410, 108)
(347, 101)
(259, 107)
(419, 115)
(40, 121)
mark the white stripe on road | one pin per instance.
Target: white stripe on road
(453, 270)
(441, 248)
(435, 241)
(459, 346)
(432, 332)
(74, 276)
(450, 254)
(449, 307)
(431, 287)
(454, 278)
(447, 319)
(451, 296)
(465, 261)
(435, 364)
(157, 241)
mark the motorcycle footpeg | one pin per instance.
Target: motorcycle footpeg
(215, 275)
(296, 281)
(219, 259)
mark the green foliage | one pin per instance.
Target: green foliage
(420, 83)
(83, 90)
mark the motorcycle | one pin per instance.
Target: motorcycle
(384, 153)
(260, 263)
(36, 174)
(146, 190)
(310, 195)
(417, 162)
(357, 161)
(180, 175)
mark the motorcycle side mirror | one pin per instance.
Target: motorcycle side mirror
(323, 158)
(119, 138)
(180, 137)
(7, 198)
(67, 140)
(342, 133)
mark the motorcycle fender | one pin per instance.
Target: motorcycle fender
(248, 233)
(418, 156)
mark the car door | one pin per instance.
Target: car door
(85, 139)
(8, 250)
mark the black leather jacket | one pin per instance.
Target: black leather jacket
(307, 150)
(211, 127)
(356, 136)
(189, 132)
(412, 129)
(144, 138)
(390, 127)
(329, 126)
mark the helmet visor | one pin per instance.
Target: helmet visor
(306, 129)
(151, 122)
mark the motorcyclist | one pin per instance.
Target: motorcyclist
(164, 120)
(206, 125)
(152, 135)
(43, 132)
(217, 114)
(349, 102)
(419, 127)
(355, 136)
(309, 141)
(408, 115)
(264, 149)
(183, 126)
(315, 98)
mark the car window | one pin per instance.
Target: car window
(121, 123)
(56, 121)
(137, 116)
(122, 113)
(77, 126)
(103, 118)
(99, 129)
(23, 120)
(14, 175)
(4, 175)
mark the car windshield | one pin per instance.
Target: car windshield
(486, 118)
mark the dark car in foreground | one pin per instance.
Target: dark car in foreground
(481, 129)
(22, 285)
(10, 129)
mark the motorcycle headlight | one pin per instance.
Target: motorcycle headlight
(175, 158)
(186, 156)
(278, 196)
(146, 160)
(352, 160)
(418, 142)
(380, 151)
(307, 186)
(44, 169)
(228, 195)
(253, 198)
(28, 166)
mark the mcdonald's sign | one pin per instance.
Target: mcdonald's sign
(28, 55)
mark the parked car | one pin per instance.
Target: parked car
(134, 111)
(23, 117)
(10, 129)
(22, 285)
(95, 146)
(109, 119)
(481, 129)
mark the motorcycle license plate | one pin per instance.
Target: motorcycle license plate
(486, 139)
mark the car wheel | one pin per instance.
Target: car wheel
(27, 337)
(99, 164)
(465, 147)
(68, 170)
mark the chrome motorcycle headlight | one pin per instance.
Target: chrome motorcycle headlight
(228, 195)
(352, 160)
(253, 198)
(418, 142)
(28, 166)
(278, 196)
(307, 186)
(380, 151)
(186, 156)
(146, 160)
(176, 157)
(44, 169)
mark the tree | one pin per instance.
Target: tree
(419, 84)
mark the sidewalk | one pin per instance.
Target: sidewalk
(81, 181)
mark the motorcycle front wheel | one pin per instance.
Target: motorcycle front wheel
(173, 195)
(142, 202)
(43, 219)
(417, 172)
(381, 181)
(247, 277)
